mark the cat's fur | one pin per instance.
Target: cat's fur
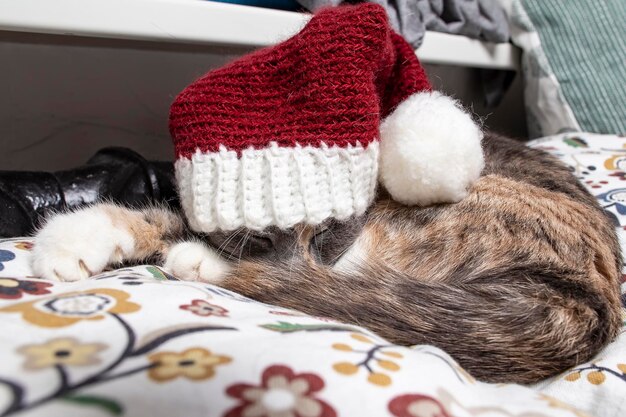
(518, 281)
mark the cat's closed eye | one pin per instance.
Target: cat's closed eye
(326, 243)
(331, 240)
(271, 244)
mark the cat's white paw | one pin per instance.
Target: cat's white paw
(74, 246)
(193, 261)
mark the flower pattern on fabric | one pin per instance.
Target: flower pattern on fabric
(287, 313)
(422, 405)
(11, 288)
(595, 183)
(159, 274)
(417, 405)
(377, 355)
(205, 309)
(620, 175)
(282, 393)
(616, 162)
(560, 405)
(617, 198)
(5, 256)
(195, 364)
(68, 308)
(575, 142)
(61, 351)
(581, 170)
(24, 245)
(595, 374)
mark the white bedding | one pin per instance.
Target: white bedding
(138, 342)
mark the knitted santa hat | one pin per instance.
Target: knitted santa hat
(290, 134)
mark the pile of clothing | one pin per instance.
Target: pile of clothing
(478, 19)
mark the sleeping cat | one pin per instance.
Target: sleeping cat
(518, 281)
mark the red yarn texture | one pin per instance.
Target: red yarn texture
(331, 83)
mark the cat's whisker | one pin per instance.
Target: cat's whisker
(241, 244)
(222, 247)
(295, 252)
(343, 252)
(315, 241)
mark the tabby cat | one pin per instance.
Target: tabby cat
(518, 281)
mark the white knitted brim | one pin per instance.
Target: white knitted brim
(276, 186)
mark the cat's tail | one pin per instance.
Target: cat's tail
(521, 324)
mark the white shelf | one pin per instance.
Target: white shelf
(204, 22)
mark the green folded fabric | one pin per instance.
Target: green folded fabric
(585, 44)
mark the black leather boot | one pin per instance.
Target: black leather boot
(114, 174)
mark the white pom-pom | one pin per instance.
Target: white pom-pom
(430, 150)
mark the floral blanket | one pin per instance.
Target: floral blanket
(139, 342)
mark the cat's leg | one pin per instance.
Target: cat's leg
(195, 261)
(78, 244)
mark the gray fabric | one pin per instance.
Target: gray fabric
(480, 19)
(585, 45)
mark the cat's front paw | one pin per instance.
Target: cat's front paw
(74, 246)
(193, 261)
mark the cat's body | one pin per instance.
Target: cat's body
(518, 281)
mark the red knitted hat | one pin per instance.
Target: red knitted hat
(289, 134)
